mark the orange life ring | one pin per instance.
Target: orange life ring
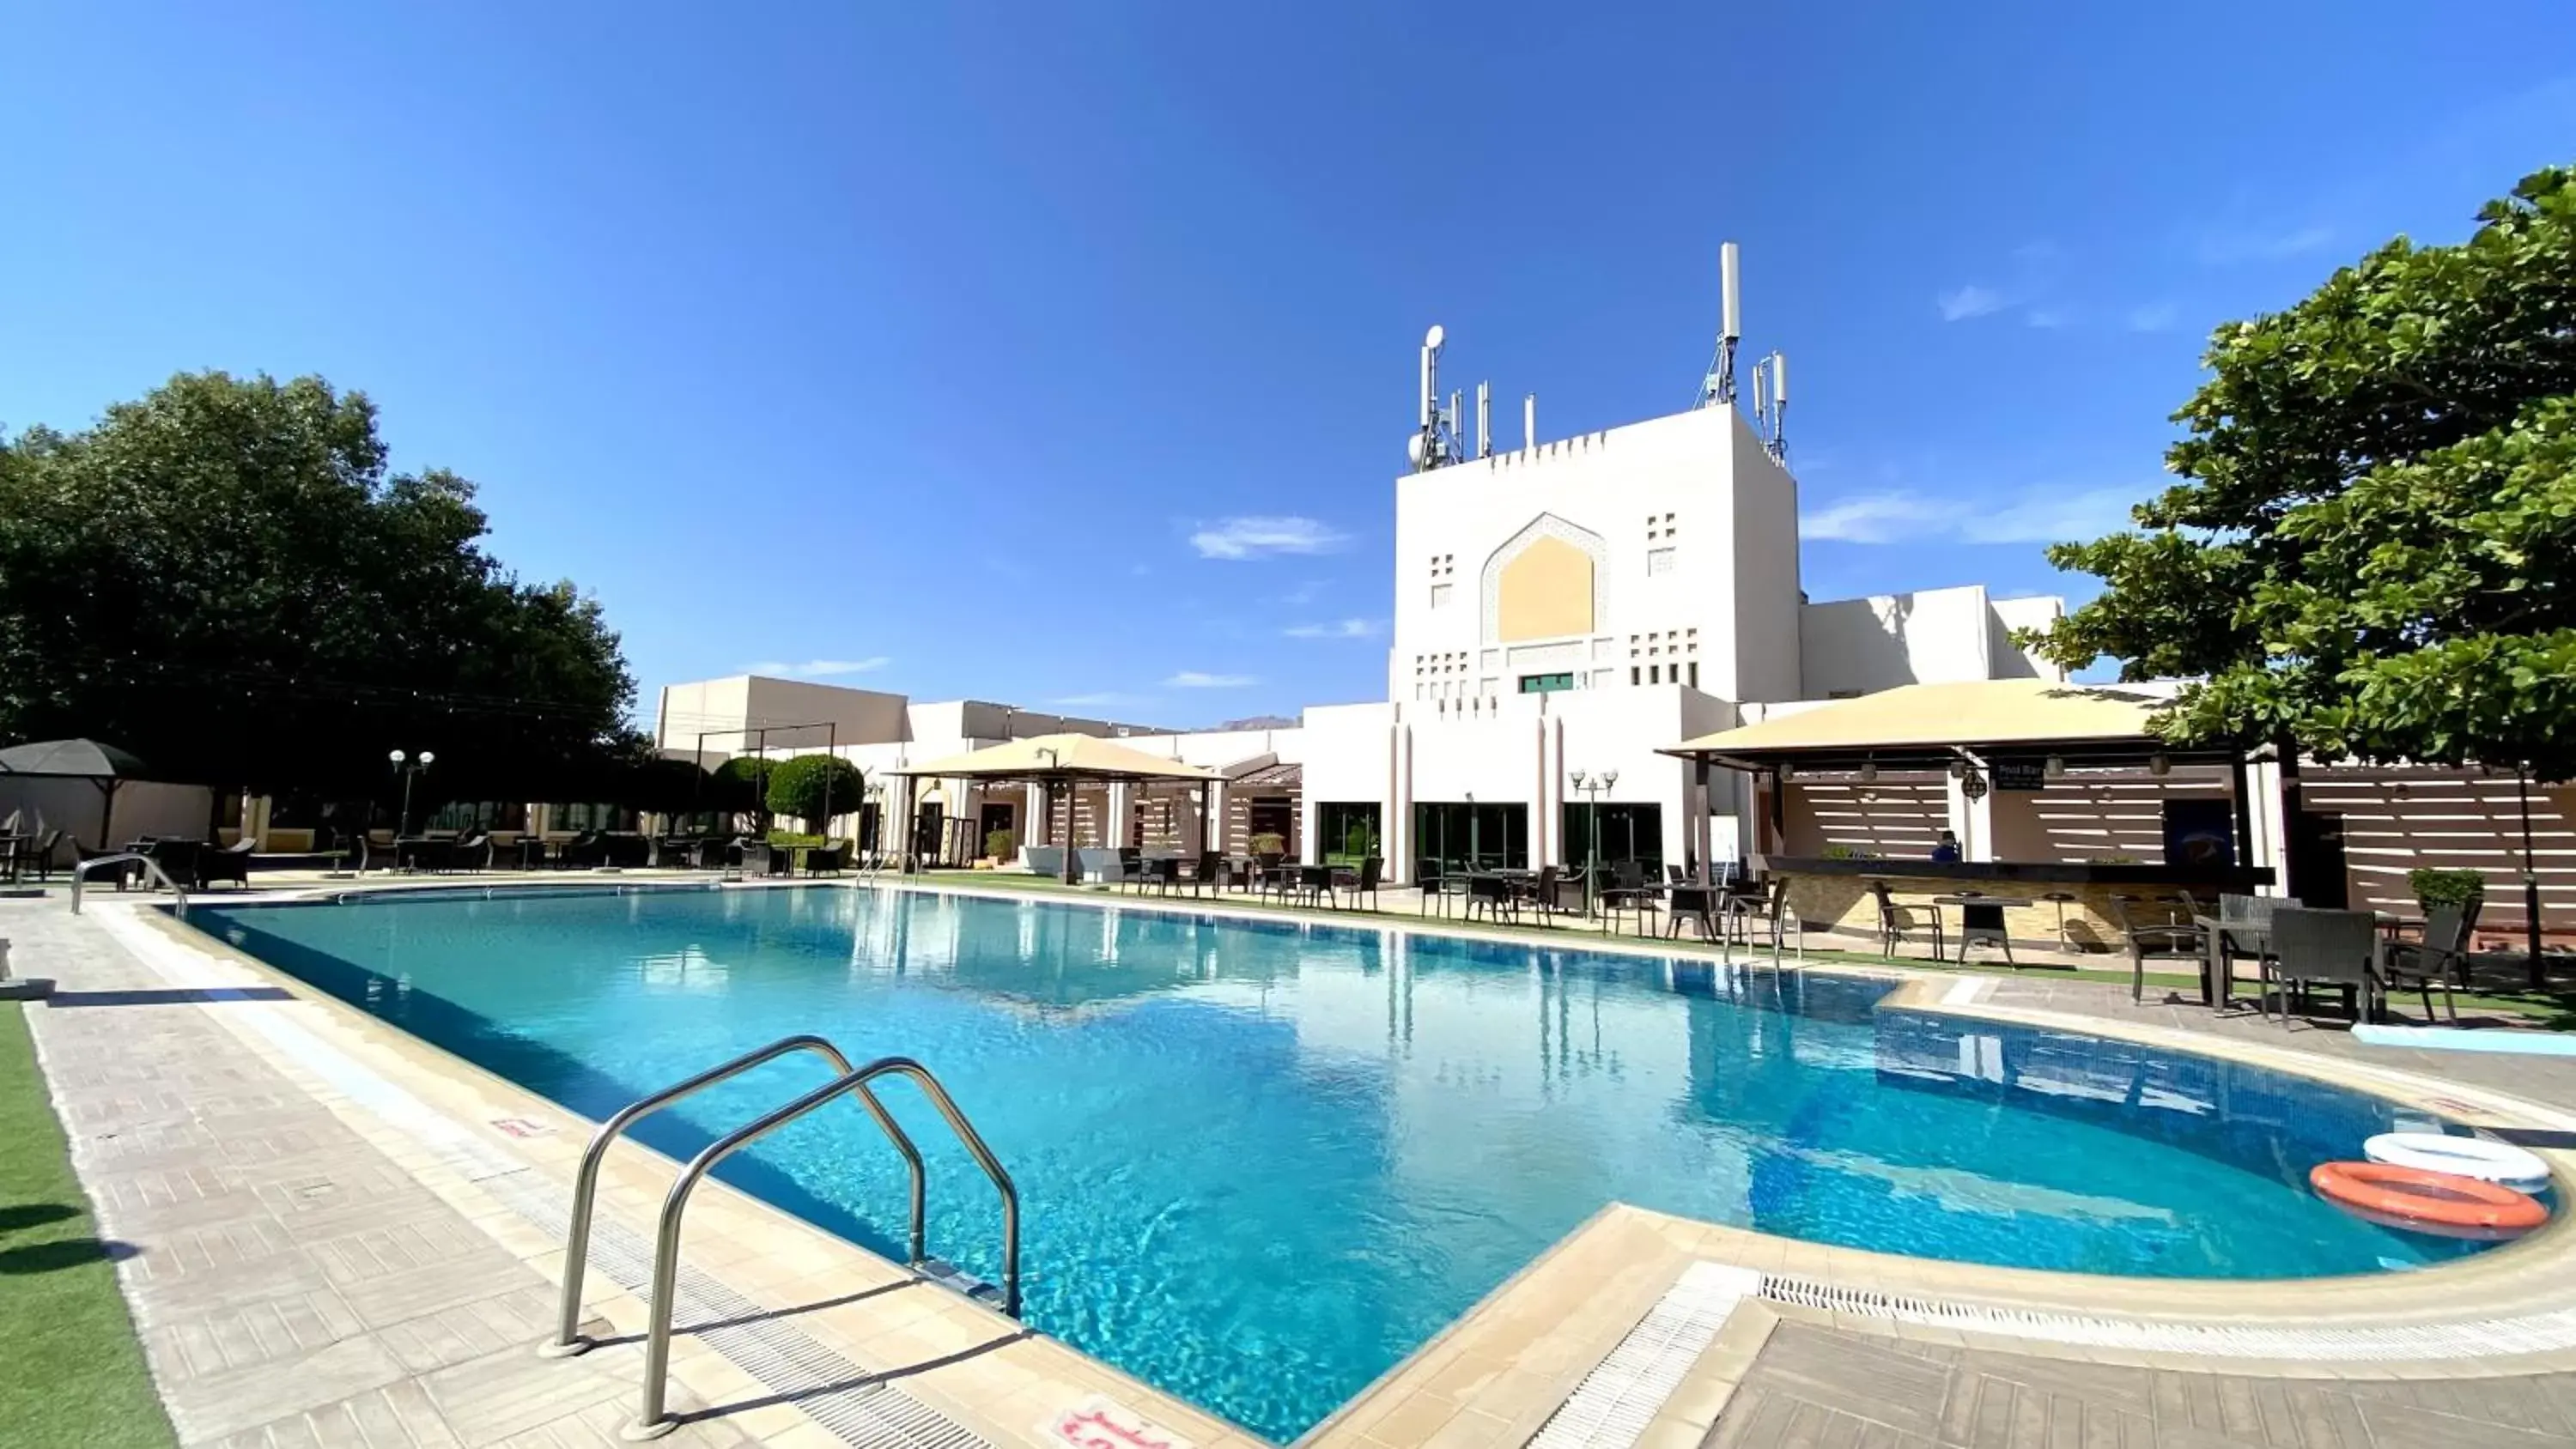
(2427, 1201)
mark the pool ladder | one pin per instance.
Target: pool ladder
(847, 1081)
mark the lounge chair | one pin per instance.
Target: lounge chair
(471, 851)
(1099, 863)
(1044, 861)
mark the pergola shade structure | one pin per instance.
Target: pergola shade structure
(1989, 724)
(1054, 762)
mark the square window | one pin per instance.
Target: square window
(1440, 595)
(1659, 561)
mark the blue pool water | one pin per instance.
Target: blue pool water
(1260, 1162)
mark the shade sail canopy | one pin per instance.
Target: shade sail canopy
(1932, 718)
(75, 759)
(1057, 757)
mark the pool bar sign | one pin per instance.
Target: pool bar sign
(2025, 774)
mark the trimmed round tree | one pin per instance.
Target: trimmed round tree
(813, 788)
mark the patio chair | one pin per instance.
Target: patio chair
(1363, 881)
(581, 852)
(2153, 939)
(1163, 873)
(1314, 886)
(123, 874)
(1769, 912)
(1895, 918)
(827, 860)
(1209, 873)
(1435, 884)
(231, 863)
(1627, 890)
(183, 860)
(1698, 904)
(40, 856)
(1494, 896)
(471, 851)
(2434, 956)
(2333, 948)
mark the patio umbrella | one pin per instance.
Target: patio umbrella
(102, 765)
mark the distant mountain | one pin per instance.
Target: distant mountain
(1260, 722)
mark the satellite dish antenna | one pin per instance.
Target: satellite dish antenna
(1436, 336)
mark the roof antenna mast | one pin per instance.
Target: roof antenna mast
(1717, 388)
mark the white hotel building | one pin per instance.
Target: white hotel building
(1564, 608)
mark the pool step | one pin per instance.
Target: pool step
(957, 1280)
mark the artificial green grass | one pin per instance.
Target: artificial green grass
(2553, 1010)
(71, 1372)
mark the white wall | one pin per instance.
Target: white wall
(1602, 488)
(1930, 636)
(143, 807)
(1769, 661)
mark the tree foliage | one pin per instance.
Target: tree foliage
(225, 579)
(2369, 549)
(813, 788)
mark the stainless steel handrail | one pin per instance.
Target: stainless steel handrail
(653, 1421)
(585, 1192)
(122, 857)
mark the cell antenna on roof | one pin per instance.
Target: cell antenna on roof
(1484, 420)
(1424, 450)
(1717, 388)
(1779, 406)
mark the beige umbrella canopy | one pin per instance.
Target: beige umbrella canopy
(1055, 760)
(1057, 757)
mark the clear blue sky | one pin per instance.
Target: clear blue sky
(936, 347)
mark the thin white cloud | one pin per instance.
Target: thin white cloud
(1962, 303)
(1101, 699)
(2048, 317)
(1305, 593)
(2228, 246)
(817, 668)
(1198, 679)
(2040, 515)
(1876, 518)
(2154, 317)
(1338, 629)
(2052, 515)
(1259, 535)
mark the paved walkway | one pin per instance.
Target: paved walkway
(293, 1285)
(1814, 1386)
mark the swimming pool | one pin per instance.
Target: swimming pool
(1261, 1161)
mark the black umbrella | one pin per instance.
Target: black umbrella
(101, 765)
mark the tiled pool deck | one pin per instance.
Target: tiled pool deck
(337, 1234)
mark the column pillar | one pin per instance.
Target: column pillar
(1113, 831)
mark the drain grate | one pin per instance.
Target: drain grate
(2470, 1338)
(1615, 1402)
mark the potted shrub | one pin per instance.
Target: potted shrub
(1001, 847)
(2435, 886)
(1270, 843)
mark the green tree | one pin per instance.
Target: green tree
(742, 785)
(2369, 549)
(813, 788)
(224, 578)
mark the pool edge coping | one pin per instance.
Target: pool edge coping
(2387, 1297)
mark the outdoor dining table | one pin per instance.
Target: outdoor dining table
(2217, 970)
(533, 851)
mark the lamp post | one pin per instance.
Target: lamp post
(407, 768)
(1592, 786)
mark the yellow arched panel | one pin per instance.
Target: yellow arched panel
(1543, 592)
